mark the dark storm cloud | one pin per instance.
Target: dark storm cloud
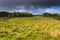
(10, 4)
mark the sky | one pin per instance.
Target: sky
(33, 6)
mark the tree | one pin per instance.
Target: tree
(47, 14)
(23, 14)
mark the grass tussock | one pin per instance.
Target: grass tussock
(30, 28)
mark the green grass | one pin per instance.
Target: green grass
(30, 28)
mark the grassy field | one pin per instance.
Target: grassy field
(30, 28)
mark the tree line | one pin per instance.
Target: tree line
(51, 15)
(55, 15)
(16, 14)
(25, 14)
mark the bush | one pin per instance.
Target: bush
(56, 16)
(22, 14)
(15, 14)
(10, 15)
(47, 14)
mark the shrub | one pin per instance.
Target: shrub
(47, 14)
(15, 14)
(56, 16)
(10, 16)
(22, 14)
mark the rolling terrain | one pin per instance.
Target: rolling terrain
(30, 28)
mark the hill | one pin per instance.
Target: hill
(4, 14)
(30, 28)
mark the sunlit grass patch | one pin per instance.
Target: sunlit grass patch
(30, 28)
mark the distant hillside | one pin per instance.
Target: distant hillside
(4, 14)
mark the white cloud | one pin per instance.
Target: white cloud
(52, 10)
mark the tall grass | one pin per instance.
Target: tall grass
(30, 28)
